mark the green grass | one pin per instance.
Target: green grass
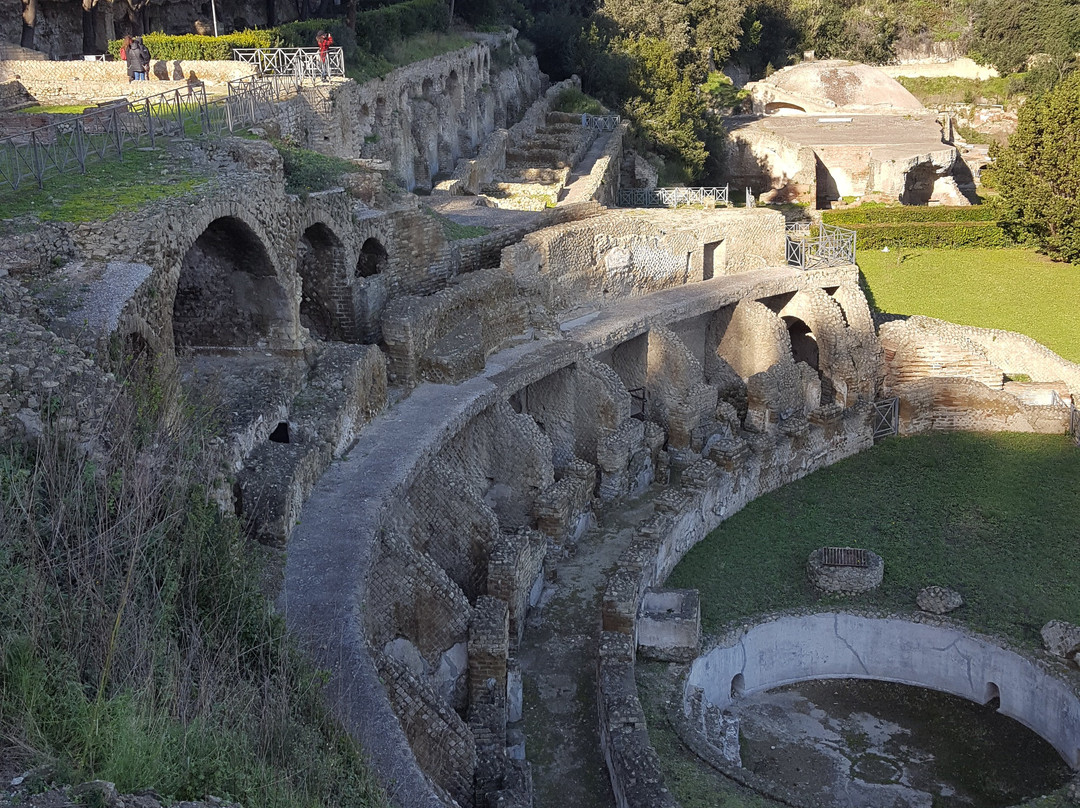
(1011, 289)
(136, 644)
(994, 516)
(60, 109)
(308, 171)
(107, 188)
(366, 67)
(934, 91)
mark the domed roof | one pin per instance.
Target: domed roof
(846, 85)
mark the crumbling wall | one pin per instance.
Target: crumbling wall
(506, 460)
(421, 118)
(446, 336)
(634, 252)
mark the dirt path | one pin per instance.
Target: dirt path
(558, 662)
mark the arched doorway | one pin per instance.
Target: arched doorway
(228, 294)
(369, 290)
(373, 258)
(320, 260)
(804, 347)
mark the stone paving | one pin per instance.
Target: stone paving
(558, 663)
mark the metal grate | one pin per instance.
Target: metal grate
(845, 557)
(886, 417)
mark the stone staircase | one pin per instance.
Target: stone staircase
(538, 169)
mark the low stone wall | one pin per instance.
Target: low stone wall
(711, 492)
(951, 404)
(951, 377)
(634, 252)
(92, 81)
(939, 656)
(447, 335)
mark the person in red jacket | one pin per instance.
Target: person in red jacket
(324, 41)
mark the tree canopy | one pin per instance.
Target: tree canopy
(1038, 173)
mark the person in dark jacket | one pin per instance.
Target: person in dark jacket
(138, 58)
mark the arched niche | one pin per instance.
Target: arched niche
(320, 259)
(228, 294)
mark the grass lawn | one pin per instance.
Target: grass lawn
(1012, 289)
(105, 189)
(994, 516)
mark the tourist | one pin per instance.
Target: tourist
(137, 56)
(324, 41)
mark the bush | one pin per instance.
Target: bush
(301, 34)
(908, 214)
(574, 101)
(193, 47)
(932, 235)
(378, 29)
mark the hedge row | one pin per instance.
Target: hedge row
(378, 29)
(907, 214)
(189, 47)
(931, 235)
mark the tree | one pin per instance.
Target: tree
(29, 21)
(1038, 173)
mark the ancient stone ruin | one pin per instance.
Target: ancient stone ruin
(487, 400)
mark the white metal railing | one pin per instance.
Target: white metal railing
(832, 246)
(300, 62)
(671, 197)
(602, 123)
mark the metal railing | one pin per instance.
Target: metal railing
(300, 62)
(252, 98)
(671, 197)
(831, 247)
(75, 143)
(602, 123)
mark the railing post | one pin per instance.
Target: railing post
(38, 166)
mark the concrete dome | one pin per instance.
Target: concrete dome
(836, 85)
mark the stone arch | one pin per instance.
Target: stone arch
(325, 308)
(228, 294)
(919, 184)
(454, 90)
(369, 289)
(804, 346)
(991, 693)
(373, 258)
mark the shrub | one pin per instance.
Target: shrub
(301, 34)
(193, 47)
(932, 235)
(378, 29)
(908, 214)
(575, 101)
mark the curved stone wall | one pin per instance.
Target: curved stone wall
(837, 645)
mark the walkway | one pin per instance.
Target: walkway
(578, 188)
(558, 662)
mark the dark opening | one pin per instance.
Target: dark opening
(227, 294)
(708, 261)
(238, 499)
(373, 258)
(804, 347)
(992, 697)
(738, 685)
(320, 260)
(919, 184)
(280, 433)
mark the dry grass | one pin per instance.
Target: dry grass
(135, 645)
